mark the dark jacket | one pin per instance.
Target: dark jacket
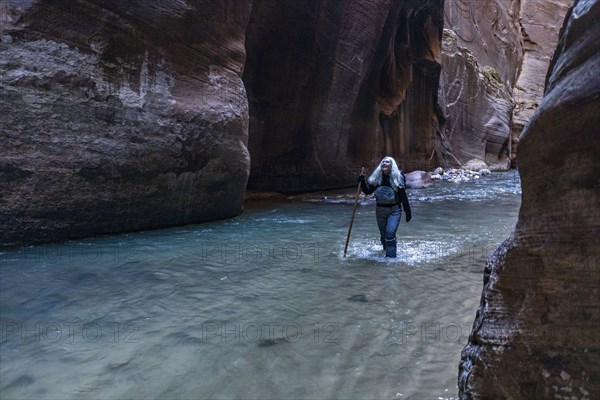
(401, 197)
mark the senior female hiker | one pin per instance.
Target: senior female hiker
(388, 183)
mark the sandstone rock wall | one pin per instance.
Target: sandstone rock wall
(336, 85)
(495, 57)
(535, 334)
(118, 116)
(490, 30)
(478, 106)
(540, 22)
(481, 59)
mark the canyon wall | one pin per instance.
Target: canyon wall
(119, 116)
(540, 24)
(481, 56)
(494, 55)
(336, 85)
(535, 334)
(126, 117)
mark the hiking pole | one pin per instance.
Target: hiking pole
(362, 172)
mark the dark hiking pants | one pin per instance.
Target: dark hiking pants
(388, 219)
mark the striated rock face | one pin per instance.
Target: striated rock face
(495, 56)
(490, 30)
(540, 22)
(118, 116)
(481, 58)
(336, 85)
(478, 107)
(536, 332)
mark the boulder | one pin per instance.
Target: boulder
(475, 165)
(418, 180)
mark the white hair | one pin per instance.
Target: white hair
(395, 177)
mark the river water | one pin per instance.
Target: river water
(261, 306)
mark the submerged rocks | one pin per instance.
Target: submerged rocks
(359, 298)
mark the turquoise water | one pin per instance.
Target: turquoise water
(261, 306)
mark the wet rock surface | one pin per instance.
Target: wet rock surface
(463, 175)
(535, 334)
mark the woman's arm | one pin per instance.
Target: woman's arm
(364, 186)
(405, 205)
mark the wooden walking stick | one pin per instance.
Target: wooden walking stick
(362, 172)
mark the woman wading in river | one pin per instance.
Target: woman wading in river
(388, 183)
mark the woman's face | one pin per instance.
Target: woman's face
(386, 166)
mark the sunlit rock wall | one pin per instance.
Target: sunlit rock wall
(535, 334)
(118, 116)
(334, 85)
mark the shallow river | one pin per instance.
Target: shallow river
(262, 306)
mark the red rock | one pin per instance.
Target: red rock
(334, 86)
(495, 54)
(540, 24)
(117, 117)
